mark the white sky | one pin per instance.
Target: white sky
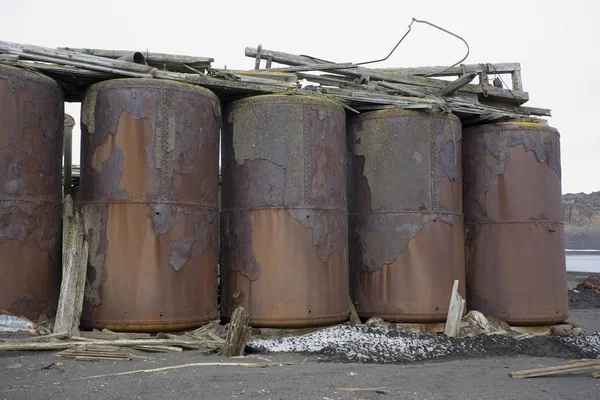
(555, 42)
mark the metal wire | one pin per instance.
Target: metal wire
(394, 49)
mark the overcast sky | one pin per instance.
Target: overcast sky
(555, 42)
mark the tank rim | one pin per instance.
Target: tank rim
(310, 99)
(150, 83)
(7, 71)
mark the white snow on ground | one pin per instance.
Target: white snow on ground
(359, 344)
(588, 343)
(380, 345)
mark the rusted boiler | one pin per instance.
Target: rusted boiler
(514, 227)
(31, 124)
(284, 218)
(149, 184)
(405, 213)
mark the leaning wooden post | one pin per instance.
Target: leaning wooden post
(237, 334)
(455, 312)
(75, 257)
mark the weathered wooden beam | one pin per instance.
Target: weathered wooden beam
(315, 67)
(237, 334)
(75, 258)
(354, 318)
(173, 62)
(577, 367)
(501, 68)
(457, 84)
(66, 344)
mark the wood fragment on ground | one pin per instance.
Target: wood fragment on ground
(359, 389)
(94, 352)
(209, 364)
(237, 334)
(570, 368)
(354, 318)
(455, 312)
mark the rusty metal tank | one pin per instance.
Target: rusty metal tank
(514, 227)
(149, 182)
(31, 125)
(284, 218)
(405, 214)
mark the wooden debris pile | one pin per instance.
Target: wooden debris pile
(358, 88)
(105, 344)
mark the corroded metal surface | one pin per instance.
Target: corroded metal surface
(31, 124)
(149, 181)
(405, 205)
(284, 223)
(514, 230)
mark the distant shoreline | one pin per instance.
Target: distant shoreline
(582, 252)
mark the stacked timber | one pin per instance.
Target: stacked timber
(358, 88)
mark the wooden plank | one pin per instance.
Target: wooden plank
(577, 367)
(457, 84)
(275, 333)
(500, 68)
(455, 311)
(173, 62)
(75, 259)
(237, 334)
(59, 345)
(517, 81)
(315, 67)
(354, 318)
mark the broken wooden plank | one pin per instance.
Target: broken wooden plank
(237, 334)
(75, 259)
(455, 311)
(315, 67)
(500, 68)
(173, 62)
(577, 367)
(60, 345)
(94, 352)
(190, 365)
(457, 84)
(359, 389)
(354, 318)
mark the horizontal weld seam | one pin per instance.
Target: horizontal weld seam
(288, 318)
(242, 209)
(403, 313)
(174, 203)
(534, 317)
(405, 212)
(153, 321)
(33, 201)
(548, 221)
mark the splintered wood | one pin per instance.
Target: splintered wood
(578, 366)
(75, 257)
(455, 312)
(237, 334)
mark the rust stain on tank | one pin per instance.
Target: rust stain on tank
(405, 204)
(514, 231)
(31, 128)
(284, 223)
(149, 187)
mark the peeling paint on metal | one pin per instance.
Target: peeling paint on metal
(149, 183)
(514, 231)
(31, 118)
(284, 172)
(404, 175)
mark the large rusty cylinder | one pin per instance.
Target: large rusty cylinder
(284, 216)
(31, 134)
(405, 214)
(149, 187)
(514, 233)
